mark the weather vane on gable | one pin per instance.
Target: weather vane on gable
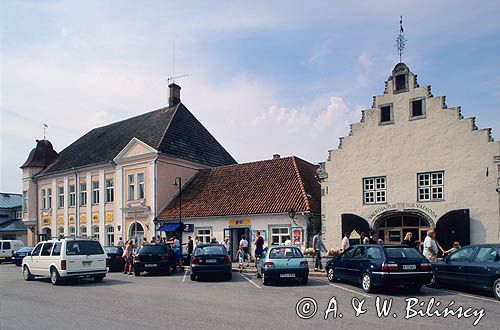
(401, 40)
(45, 126)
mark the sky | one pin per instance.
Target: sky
(285, 77)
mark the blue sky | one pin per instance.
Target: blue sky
(286, 77)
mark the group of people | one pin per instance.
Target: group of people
(243, 253)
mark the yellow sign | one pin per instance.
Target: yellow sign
(95, 218)
(109, 217)
(46, 221)
(71, 219)
(83, 218)
(240, 222)
(60, 220)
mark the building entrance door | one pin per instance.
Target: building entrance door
(236, 234)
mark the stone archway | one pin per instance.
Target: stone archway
(392, 226)
(136, 232)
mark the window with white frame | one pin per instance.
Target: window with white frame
(44, 199)
(49, 198)
(83, 230)
(19, 214)
(95, 192)
(60, 231)
(25, 201)
(83, 193)
(95, 232)
(110, 191)
(279, 234)
(110, 235)
(204, 234)
(131, 187)
(140, 182)
(60, 197)
(375, 190)
(430, 186)
(72, 196)
(72, 231)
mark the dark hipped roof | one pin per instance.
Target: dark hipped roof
(9, 201)
(269, 186)
(12, 226)
(174, 131)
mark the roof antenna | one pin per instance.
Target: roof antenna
(401, 40)
(173, 77)
(45, 126)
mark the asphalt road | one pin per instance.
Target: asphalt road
(175, 302)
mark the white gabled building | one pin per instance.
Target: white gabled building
(411, 164)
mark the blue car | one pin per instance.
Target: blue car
(282, 262)
(17, 256)
(378, 266)
(472, 266)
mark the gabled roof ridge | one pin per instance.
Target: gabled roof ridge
(252, 162)
(301, 183)
(136, 116)
(176, 107)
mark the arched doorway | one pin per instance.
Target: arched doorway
(45, 235)
(136, 233)
(393, 226)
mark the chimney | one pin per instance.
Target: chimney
(276, 156)
(175, 95)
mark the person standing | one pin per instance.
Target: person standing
(127, 254)
(430, 247)
(226, 245)
(244, 246)
(372, 238)
(317, 247)
(345, 242)
(288, 241)
(190, 247)
(259, 246)
(409, 239)
(120, 243)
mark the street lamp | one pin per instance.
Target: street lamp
(156, 222)
(291, 215)
(178, 182)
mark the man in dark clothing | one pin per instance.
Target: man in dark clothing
(373, 238)
(259, 246)
(190, 245)
(317, 247)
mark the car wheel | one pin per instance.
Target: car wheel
(496, 288)
(27, 274)
(265, 281)
(137, 272)
(258, 274)
(366, 283)
(168, 272)
(55, 279)
(98, 279)
(304, 280)
(229, 276)
(193, 277)
(330, 274)
(433, 283)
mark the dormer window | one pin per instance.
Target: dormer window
(386, 114)
(417, 109)
(400, 83)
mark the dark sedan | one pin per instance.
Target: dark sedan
(210, 259)
(153, 258)
(115, 260)
(377, 266)
(17, 256)
(473, 266)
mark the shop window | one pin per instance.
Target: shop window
(386, 115)
(400, 83)
(279, 235)
(430, 186)
(204, 235)
(417, 109)
(374, 190)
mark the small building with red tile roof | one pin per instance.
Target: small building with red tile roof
(241, 199)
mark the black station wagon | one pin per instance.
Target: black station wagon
(377, 266)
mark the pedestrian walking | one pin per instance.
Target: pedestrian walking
(317, 247)
(430, 247)
(127, 255)
(241, 258)
(190, 247)
(244, 245)
(345, 241)
(259, 246)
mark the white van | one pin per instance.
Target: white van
(64, 258)
(7, 247)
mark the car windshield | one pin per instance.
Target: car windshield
(83, 248)
(112, 249)
(210, 249)
(25, 249)
(151, 249)
(285, 253)
(402, 253)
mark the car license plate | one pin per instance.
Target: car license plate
(211, 261)
(287, 275)
(150, 265)
(86, 263)
(409, 267)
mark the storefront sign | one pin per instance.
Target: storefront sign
(297, 235)
(240, 222)
(402, 207)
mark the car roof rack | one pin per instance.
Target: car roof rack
(69, 237)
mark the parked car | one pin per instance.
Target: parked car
(153, 258)
(65, 258)
(115, 260)
(210, 259)
(7, 247)
(17, 256)
(377, 266)
(282, 262)
(473, 266)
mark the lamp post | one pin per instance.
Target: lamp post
(291, 215)
(156, 222)
(178, 182)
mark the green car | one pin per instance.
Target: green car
(282, 262)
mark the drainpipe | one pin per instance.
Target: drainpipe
(77, 207)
